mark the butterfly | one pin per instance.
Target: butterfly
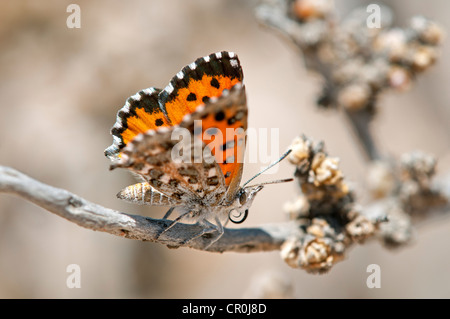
(201, 175)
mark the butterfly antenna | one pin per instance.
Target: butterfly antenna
(269, 167)
(275, 182)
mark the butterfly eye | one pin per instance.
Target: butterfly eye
(243, 198)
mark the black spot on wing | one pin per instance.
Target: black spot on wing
(159, 122)
(219, 116)
(191, 97)
(215, 83)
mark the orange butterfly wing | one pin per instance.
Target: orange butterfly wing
(192, 94)
(140, 113)
(223, 130)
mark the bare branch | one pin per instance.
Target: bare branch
(314, 240)
(99, 218)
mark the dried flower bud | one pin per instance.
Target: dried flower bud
(312, 9)
(298, 208)
(360, 229)
(416, 192)
(315, 230)
(399, 78)
(301, 150)
(428, 31)
(317, 252)
(321, 181)
(380, 179)
(423, 57)
(354, 96)
(324, 170)
(417, 169)
(320, 228)
(398, 230)
(315, 255)
(417, 165)
(393, 42)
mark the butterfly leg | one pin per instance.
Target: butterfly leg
(207, 227)
(169, 212)
(220, 229)
(174, 222)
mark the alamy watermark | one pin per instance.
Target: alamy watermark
(374, 279)
(74, 19)
(373, 21)
(214, 145)
(74, 279)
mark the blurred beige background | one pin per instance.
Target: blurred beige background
(60, 90)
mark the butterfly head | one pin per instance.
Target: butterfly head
(243, 200)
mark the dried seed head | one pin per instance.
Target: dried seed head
(417, 165)
(354, 96)
(321, 181)
(301, 150)
(427, 30)
(324, 170)
(416, 191)
(315, 230)
(317, 252)
(290, 251)
(423, 57)
(360, 229)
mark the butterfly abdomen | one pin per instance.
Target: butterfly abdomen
(143, 193)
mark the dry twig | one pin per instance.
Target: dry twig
(99, 218)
